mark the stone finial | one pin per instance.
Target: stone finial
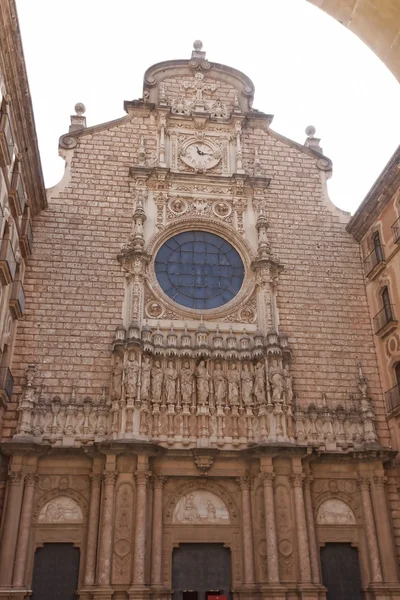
(78, 121)
(312, 141)
(197, 51)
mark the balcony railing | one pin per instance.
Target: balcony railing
(17, 194)
(26, 238)
(6, 383)
(384, 317)
(396, 231)
(392, 398)
(8, 264)
(375, 257)
(6, 140)
(17, 300)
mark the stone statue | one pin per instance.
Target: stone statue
(170, 377)
(186, 383)
(233, 378)
(288, 385)
(276, 381)
(219, 382)
(259, 383)
(246, 377)
(156, 382)
(202, 381)
(117, 377)
(145, 384)
(131, 376)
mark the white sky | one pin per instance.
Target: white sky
(306, 67)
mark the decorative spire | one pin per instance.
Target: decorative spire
(311, 141)
(142, 153)
(197, 51)
(78, 121)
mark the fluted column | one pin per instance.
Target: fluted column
(301, 527)
(384, 530)
(247, 528)
(312, 538)
(105, 546)
(10, 527)
(93, 528)
(369, 527)
(24, 531)
(140, 528)
(156, 542)
(270, 527)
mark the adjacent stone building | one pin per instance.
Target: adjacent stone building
(197, 408)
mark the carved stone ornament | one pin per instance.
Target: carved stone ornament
(61, 510)
(335, 512)
(201, 507)
(204, 460)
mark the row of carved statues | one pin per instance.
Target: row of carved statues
(138, 378)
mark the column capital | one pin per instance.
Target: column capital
(159, 481)
(95, 479)
(142, 477)
(15, 477)
(297, 479)
(364, 483)
(30, 479)
(267, 478)
(380, 481)
(109, 477)
(308, 479)
(244, 482)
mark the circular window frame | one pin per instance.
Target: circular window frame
(243, 248)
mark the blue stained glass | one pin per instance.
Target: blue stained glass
(199, 270)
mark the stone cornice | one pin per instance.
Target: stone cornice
(377, 198)
(13, 69)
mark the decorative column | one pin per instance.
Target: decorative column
(369, 526)
(93, 528)
(142, 477)
(270, 527)
(384, 531)
(302, 539)
(10, 527)
(248, 549)
(24, 531)
(105, 546)
(312, 538)
(156, 542)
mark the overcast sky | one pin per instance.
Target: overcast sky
(306, 67)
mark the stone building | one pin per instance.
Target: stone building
(197, 407)
(22, 193)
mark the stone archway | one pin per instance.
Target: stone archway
(375, 22)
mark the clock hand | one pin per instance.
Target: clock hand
(199, 152)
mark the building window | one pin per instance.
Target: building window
(393, 396)
(375, 257)
(386, 304)
(386, 314)
(199, 270)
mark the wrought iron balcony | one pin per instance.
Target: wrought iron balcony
(17, 300)
(376, 257)
(384, 318)
(392, 398)
(396, 231)
(6, 140)
(26, 237)
(6, 383)
(17, 196)
(8, 264)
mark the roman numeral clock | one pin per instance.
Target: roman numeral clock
(201, 155)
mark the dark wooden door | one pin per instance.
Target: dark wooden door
(55, 572)
(201, 568)
(341, 572)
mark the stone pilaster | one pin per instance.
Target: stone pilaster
(156, 542)
(93, 528)
(370, 532)
(10, 527)
(312, 538)
(270, 527)
(138, 589)
(105, 545)
(247, 529)
(385, 530)
(301, 525)
(24, 531)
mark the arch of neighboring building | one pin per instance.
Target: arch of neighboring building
(375, 22)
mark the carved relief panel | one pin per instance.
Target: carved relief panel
(123, 534)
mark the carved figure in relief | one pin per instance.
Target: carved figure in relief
(190, 511)
(233, 378)
(202, 381)
(259, 383)
(219, 383)
(276, 381)
(156, 382)
(211, 511)
(288, 385)
(246, 377)
(117, 377)
(131, 376)
(170, 377)
(186, 383)
(145, 384)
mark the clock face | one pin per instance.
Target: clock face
(200, 156)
